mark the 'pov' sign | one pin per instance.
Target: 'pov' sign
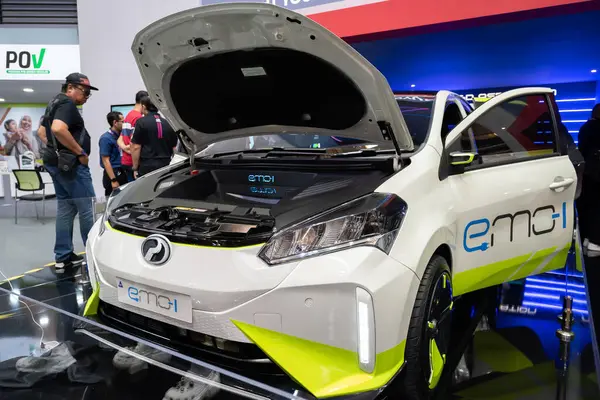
(24, 62)
(38, 62)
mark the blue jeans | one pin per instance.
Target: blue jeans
(74, 193)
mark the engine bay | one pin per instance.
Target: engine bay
(236, 205)
(240, 227)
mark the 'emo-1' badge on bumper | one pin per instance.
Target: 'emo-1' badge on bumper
(159, 301)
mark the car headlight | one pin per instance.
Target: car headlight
(372, 220)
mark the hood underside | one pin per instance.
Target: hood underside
(234, 70)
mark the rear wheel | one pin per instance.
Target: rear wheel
(429, 331)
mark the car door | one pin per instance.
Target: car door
(513, 194)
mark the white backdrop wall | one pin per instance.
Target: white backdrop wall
(106, 31)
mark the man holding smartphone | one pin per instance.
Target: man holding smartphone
(66, 160)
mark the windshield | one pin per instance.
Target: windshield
(289, 141)
(416, 110)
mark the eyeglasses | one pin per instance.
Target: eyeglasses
(86, 91)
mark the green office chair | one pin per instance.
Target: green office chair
(29, 180)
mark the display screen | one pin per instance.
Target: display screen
(122, 108)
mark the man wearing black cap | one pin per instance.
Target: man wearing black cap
(66, 159)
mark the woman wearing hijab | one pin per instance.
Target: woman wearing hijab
(16, 142)
(26, 129)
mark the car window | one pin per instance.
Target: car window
(519, 128)
(466, 106)
(416, 111)
(452, 117)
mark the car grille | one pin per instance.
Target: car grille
(226, 353)
(244, 358)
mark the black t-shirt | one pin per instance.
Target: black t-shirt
(156, 136)
(589, 138)
(589, 145)
(66, 111)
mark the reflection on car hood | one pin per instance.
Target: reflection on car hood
(235, 70)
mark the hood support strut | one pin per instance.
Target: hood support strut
(388, 134)
(189, 144)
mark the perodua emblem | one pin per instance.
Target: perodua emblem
(156, 249)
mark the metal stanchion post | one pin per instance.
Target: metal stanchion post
(565, 335)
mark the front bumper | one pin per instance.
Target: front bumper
(308, 323)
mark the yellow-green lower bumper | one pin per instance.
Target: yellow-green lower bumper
(324, 370)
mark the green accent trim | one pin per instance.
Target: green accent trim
(28, 105)
(468, 161)
(558, 261)
(324, 370)
(430, 325)
(91, 306)
(436, 361)
(498, 353)
(451, 305)
(508, 270)
(578, 255)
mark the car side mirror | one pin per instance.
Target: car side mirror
(461, 159)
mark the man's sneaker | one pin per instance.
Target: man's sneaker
(187, 389)
(132, 364)
(74, 260)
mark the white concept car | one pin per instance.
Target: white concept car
(322, 225)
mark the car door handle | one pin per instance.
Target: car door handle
(564, 183)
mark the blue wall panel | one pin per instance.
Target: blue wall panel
(543, 50)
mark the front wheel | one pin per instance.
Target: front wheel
(429, 331)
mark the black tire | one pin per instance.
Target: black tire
(430, 298)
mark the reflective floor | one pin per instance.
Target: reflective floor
(510, 352)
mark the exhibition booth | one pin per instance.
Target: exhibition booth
(435, 256)
(30, 77)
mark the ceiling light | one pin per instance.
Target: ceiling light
(594, 71)
(413, 85)
(28, 90)
(1, 100)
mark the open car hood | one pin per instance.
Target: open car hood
(244, 69)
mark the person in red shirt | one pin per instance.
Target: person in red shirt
(124, 140)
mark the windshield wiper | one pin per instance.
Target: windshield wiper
(270, 151)
(316, 153)
(362, 153)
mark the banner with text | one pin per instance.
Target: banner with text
(38, 62)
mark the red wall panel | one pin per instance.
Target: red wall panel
(392, 15)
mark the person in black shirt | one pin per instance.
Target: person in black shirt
(64, 129)
(153, 141)
(588, 205)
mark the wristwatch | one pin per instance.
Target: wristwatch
(113, 180)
